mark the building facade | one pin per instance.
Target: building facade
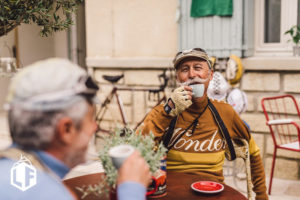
(140, 38)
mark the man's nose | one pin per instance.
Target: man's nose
(192, 73)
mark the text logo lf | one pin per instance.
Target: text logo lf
(23, 174)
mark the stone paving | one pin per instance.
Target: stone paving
(282, 189)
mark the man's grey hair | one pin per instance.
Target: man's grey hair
(36, 129)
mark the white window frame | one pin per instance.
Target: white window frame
(288, 19)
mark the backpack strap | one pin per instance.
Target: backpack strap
(168, 135)
(15, 153)
(223, 129)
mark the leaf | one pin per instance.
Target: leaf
(287, 32)
(294, 32)
(39, 12)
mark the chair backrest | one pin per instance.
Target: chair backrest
(283, 117)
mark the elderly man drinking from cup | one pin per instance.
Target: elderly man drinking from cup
(189, 126)
(51, 121)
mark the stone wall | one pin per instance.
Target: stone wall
(136, 103)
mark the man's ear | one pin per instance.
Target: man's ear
(65, 130)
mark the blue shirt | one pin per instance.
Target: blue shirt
(131, 191)
(49, 186)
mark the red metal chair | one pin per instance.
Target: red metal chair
(283, 116)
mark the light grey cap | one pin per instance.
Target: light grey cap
(49, 84)
(191, 53)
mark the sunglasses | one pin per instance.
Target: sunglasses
(198, 51)
(189, 51)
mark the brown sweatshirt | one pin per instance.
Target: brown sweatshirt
(203, 151)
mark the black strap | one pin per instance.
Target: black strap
(223, 129)
(167, 137)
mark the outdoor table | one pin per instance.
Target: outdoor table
(178, 187)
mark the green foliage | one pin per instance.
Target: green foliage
(294, 32)
(145, 144)
(50, 15)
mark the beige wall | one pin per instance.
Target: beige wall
(61, 44)
(136, 28)
(9, 41)
(33, 47)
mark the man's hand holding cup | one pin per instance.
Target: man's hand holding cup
(130, 164)
(179, 101)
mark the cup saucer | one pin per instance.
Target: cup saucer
(207, 187)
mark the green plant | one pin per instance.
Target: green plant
(50, 15)
(145, 144)
(294, 32)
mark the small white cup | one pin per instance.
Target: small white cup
(119, 154)
(198, 90)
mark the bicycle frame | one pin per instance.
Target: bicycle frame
(104, 106)
(114, 92)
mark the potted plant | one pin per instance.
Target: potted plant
(294, 32)
(150, 150)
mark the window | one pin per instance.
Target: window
(272, 19)
(298, 21)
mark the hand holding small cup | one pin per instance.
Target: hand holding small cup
(119, 154)
(131, 168)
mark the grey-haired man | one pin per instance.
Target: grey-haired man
(51, 121)
(197, 141)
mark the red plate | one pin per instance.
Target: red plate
(207, 187)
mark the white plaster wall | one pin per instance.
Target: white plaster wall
(61, 44)
(9, 40)
(131, 28)
(32, 46)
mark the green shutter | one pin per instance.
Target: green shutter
(201, 8)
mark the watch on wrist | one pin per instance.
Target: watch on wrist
(167, 108)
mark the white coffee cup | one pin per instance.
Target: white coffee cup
(119, 154)
(198, 90)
